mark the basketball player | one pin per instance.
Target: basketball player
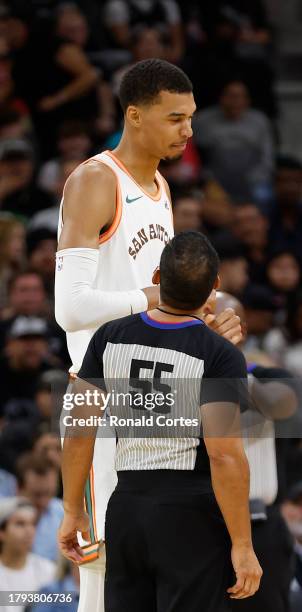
(115, 219)
(168, 549)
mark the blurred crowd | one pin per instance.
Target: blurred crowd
(61, 64)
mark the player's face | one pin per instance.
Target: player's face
(166, 125)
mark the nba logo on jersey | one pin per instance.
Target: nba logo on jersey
(59, 264)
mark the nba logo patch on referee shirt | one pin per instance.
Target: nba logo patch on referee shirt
(59, 264)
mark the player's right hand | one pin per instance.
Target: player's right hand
(248, 572)
(67, 535)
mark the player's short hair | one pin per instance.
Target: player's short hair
(143, 82)
(188, 269)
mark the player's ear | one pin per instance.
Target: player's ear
(209, 306)
(133, 116)
(156, 276)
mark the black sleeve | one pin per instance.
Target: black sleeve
(92, 367)
(226, 378)
(269, 374)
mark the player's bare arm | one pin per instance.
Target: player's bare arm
(230, 481)
(275, 399)
(89, 206)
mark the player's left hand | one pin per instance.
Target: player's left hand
(67, 535)
(226, 324)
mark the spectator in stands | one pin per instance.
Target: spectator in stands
(286, 216)
(48, 446)
(41, 249)
(122, 16)
(65, 87)
(27, 297)
(38, 480)
(12, 25)
(236, 144)
(12, 252)
(283, 271)
(233, 269)
(26, 356)
(284, 343)
(242, 19)
(250, 227)
(49, 217)
(72, 26)
(19, 193)
(24, 420)
(68, 581)
(8, 99)
(20, 569)
(19, 422)
(48, 397)
(187, 211)
(217, 207)
(231, 37)
(8, 484)
(283, 277)
(14, 126)
(260, 307)
(146, 42)
(293, 354)
(73, 143)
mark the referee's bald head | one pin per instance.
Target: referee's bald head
(188, 270)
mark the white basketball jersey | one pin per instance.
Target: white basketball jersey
(130, 251)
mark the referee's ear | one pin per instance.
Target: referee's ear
(156, 276)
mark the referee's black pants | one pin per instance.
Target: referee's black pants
(274, 548)
(167, 546)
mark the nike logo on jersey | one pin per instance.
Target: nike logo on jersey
(132, 199)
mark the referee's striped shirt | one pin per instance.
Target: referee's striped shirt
(185, 364)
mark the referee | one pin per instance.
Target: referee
(178, 534)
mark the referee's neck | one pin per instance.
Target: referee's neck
(172, 314)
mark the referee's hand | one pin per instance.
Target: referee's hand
(248, 572)
(68, 538)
